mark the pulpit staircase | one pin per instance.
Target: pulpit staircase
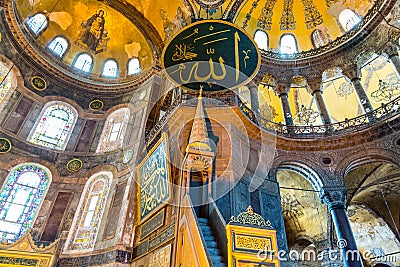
(211, 242)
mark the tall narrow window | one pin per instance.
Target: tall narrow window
(320, 37)
(110, 69)
(54, 126)
(20, 199)
(37, 23)
(261, 39)
(288, 44)
(83, 62)
(58, 46)
(112, 136)
(6, 78)
(134, 66)
(348, 19)
(87, 219)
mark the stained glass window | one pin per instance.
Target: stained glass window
(348, 19)
(288, 44)
(134, 66)
(37, 23)
(54, 126)
(112, 136)
(110, 69)
(58, 46)
(83, 62)
(261, 39)
(20, 198)
(88, 216)
(6, 81)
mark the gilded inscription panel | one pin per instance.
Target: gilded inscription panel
(154, 180)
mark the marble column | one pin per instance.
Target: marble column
(255, 103)
(392, 52)
(335, 199)
(282, 91)
(315, 90)
(355, 76)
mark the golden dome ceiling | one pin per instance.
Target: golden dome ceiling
(141, 34)
(120, 39)
(300, 18)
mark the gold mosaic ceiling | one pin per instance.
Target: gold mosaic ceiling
(126, 39)
(300, 17)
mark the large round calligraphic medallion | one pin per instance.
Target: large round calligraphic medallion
(213, 55)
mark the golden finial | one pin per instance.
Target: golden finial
(201, 91)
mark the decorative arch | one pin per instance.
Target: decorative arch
(37, 23)
(348, 19)
(90, 210)
(112, 137)
(261, 39)
(83, 62)
(54, 126)
(308, 173)
(21, 197)
(58, 46)
(288, 44)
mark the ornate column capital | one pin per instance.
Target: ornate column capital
(391, 50)
(334, 197)
(313, 86)
(353, 72)
(282, 88)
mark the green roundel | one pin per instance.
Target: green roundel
(212, 55)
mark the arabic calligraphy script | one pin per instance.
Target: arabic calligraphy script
(213, 54)
(154, 181)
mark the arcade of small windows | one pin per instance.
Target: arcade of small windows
(83, 61)
(21, 196)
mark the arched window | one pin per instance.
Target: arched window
(6, 81)
(58, 46)
(261, 39)
(134, 66)
(110, 69)
(54, 126)
(21, 196)
(288, 44)
(348, 19)
(112, 136)
(83, 62)
(90, 210)
(37, 23)
(320, 37)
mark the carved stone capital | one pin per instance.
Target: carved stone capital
(314, 86)
(334, 197)
(391, 50)
(353, 72)
(281, 89)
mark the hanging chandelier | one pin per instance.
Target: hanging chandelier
(306, 116)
